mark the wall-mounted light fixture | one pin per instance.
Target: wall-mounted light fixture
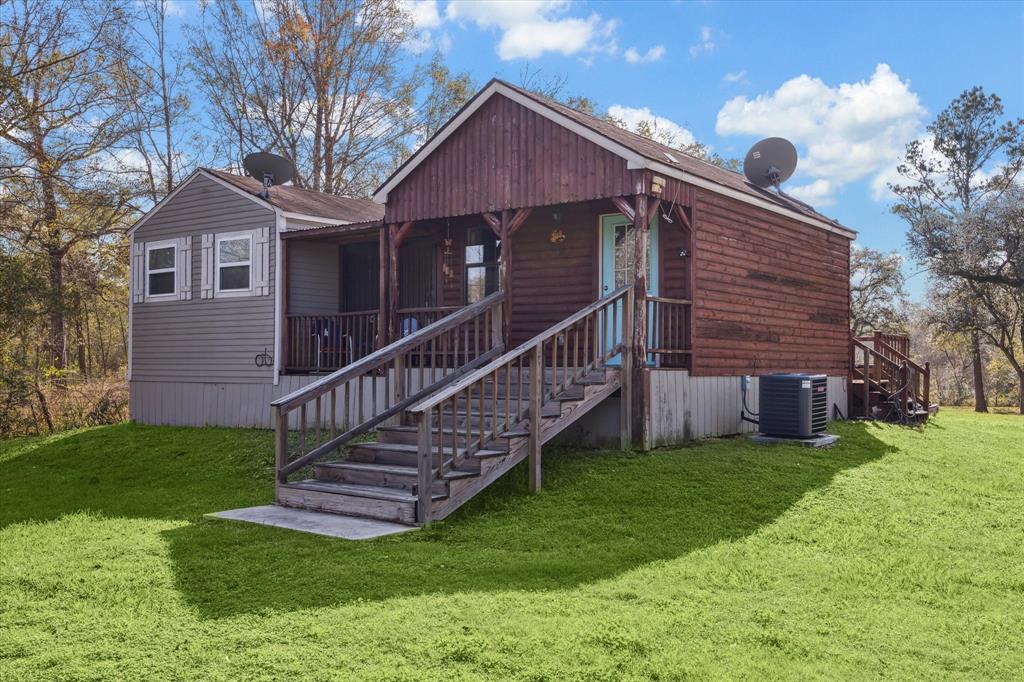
(683, 253)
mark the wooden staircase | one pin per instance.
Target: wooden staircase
(884, 383)
(456, 422)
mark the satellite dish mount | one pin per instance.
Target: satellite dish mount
(270, 169)
(770, 162)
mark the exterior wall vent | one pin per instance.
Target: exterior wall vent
(793, 405)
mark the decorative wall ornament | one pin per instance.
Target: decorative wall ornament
(557, 236)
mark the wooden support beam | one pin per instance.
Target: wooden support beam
(536, 393)
(641, 236)
(626, 392)
(505, 274)
(518, 220)
(493, 222)
(403, 232)
(285, 331)
(622, 203)
(383, 279)
(684, 217)
(393, 296)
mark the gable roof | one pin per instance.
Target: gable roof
(639, 152)
(306, 201)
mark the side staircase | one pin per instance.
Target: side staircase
(884, 383)
(453, 411)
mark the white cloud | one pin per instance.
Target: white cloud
(530, 28)
(425, 16)
(633, 56)
(424, 13)
(633, 116)
(849, 131)
(735, 77)
(706, 42)
(817, 193)
(175, 8)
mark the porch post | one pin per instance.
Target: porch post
(384, 261)
(641, 233)
(505, 276)
(392, 319)
(285, 328)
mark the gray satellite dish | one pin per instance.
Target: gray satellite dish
(270, 169)
(770, 162)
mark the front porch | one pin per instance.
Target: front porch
(567, 256)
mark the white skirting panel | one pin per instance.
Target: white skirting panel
(685, 408)
(213, 404)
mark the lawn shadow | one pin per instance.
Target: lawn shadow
(601, 514)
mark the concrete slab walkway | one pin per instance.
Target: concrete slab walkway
(332, 525)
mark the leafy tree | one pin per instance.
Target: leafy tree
(62, 121)
(877, 297)
(968, 160)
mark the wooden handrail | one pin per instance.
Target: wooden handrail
(382, 355)
(490, 402)
(522, 349)
(440, 353)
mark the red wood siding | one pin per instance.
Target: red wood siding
(507, 156)
(550, 282)
(772, 292)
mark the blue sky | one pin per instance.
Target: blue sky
(849, 83)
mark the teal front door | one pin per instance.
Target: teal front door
(618, 263)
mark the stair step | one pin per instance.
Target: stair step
(405, 448)
(373, 502)
(393, 476)
(393, 469)
(408, 435)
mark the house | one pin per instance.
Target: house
(530, 271)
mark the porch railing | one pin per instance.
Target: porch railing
(331, 411)
(412, 319)
(492, 400)
(319, 343)
(670, 330)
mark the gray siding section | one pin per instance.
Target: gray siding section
(313, 274)
(209, 340)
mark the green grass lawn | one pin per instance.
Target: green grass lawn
(898, 553)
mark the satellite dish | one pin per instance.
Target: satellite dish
(270, 169)
(770, 162)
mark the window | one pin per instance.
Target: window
(234, 264)
(483, 251)
(161, 269)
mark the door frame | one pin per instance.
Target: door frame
(655, 254)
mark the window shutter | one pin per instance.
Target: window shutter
(138, 272)
(185, 268)
(261, 262)
(207, 268)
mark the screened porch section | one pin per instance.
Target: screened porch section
(332, 284)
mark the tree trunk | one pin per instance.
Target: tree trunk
(980, 402)
(57, 341)
(83, 365)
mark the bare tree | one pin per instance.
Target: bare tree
(155, 87)
(329, 85)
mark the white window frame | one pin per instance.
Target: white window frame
(172, 244)
(231, 236)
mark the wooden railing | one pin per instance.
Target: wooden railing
(318, 343)
(495, 399)
(411, 319)
(882, 342)
(889, 369)
(670, 331)
(355, 399)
